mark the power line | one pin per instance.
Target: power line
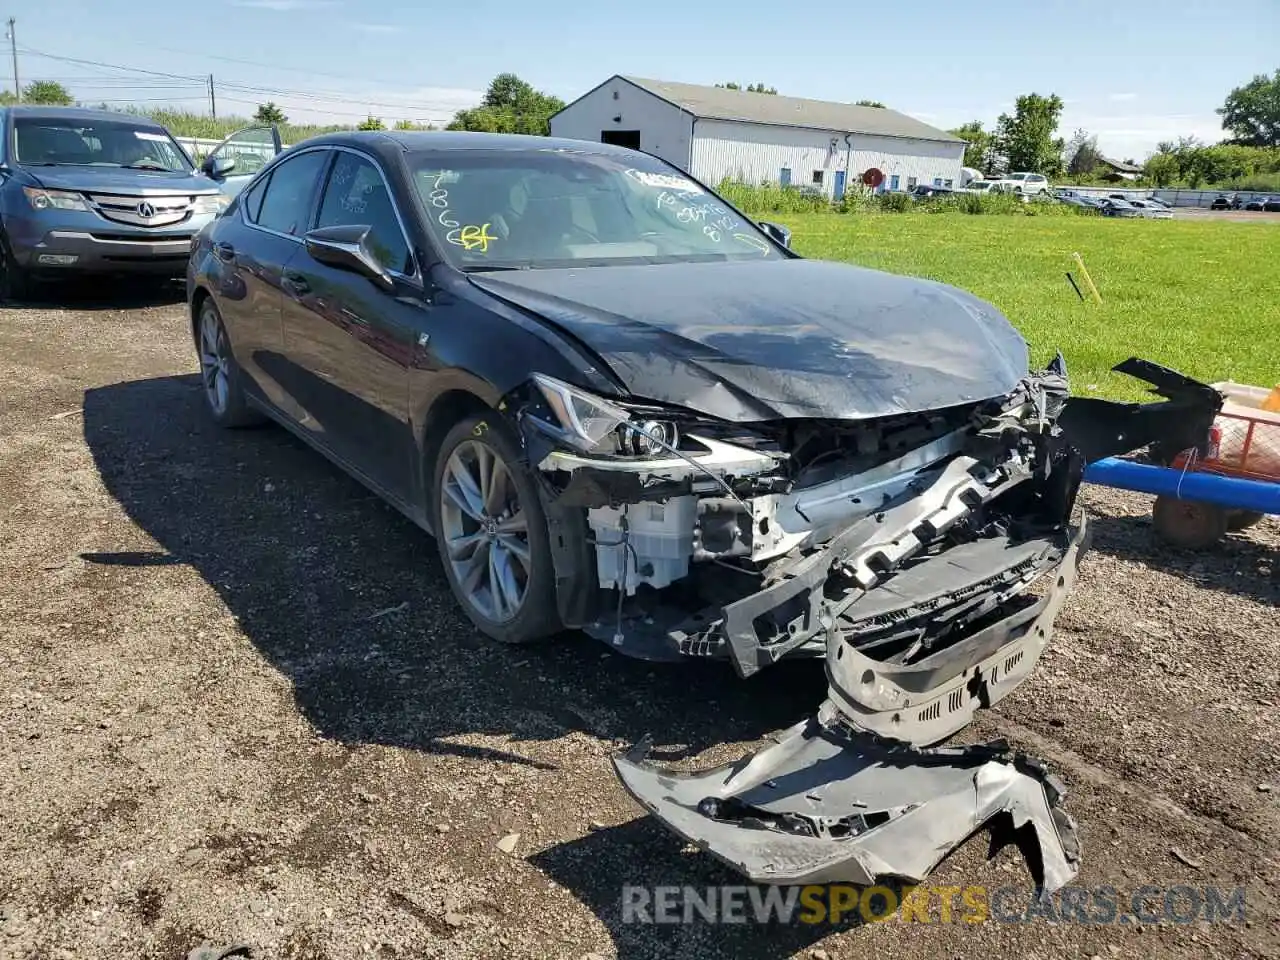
(110, 66)
(337, 113)
(128, 100)
(121, 83)
(317, 97)
(271, 66)
(324, 97)
(121, 89)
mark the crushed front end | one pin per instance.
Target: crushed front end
(924, 555)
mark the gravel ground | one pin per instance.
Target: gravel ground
(1241, 216)
(237, 704)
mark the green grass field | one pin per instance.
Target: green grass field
(1201, 297)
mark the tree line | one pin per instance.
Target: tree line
(1025, 139)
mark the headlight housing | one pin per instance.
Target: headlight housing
(41, 199)
(595, 425)
(212, 203)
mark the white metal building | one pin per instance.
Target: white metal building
(714, 133)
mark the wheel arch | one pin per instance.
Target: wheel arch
(439, 418)
(198, 298)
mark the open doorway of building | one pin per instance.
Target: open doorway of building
(621, 138)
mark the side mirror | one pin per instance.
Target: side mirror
(777, 232)
(346, 247)
(216, 167)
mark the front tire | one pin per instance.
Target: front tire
(15, 280)
(492, 533)
(221, 379)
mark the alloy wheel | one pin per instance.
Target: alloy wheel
(214, 362)
(485, 531)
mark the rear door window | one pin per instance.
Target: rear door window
(286, 204)
(252, 202)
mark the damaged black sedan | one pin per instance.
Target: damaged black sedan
(622, 406)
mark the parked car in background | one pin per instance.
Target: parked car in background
(1113, 207)
(238, 158)
(1071, 198)
(923, 191)
(1152, 210)
(1271, 204)
(1029, 184)
(94, 191)
(622, 406)
(1256, 203)
(980, 186)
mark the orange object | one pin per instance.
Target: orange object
(1272, 403)
(1244, 440)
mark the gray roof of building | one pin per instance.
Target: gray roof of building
(721, 103)
(1120, 165)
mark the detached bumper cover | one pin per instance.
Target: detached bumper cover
(826, 805)
(852, 796)
(927, 701)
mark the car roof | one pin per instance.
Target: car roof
(47, 112)
(414, 141)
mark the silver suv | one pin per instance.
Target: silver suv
(95, 191)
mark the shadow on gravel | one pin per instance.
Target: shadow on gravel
(644, 855)
(104, 293)
(347, 598)
(1236, 564)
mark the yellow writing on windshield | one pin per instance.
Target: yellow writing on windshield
(474, 237)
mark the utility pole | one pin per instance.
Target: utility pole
(213, 101)
(13, 48)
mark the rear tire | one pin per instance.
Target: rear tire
(1243, 519)
(492, 533)
(221, 379)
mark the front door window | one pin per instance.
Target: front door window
(357, 195)
(251, 148)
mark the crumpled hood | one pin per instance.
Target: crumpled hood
(117, 180)
(764, 340)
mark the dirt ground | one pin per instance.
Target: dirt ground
(237, 705)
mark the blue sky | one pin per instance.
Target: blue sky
(1133, 73)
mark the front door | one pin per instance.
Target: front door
(838, 189)
(252, 148)
(352, 341)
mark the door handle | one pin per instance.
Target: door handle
(224, 251)
(295, 283)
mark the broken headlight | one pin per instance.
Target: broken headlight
(595, 425)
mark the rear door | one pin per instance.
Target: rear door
(352, 342)
(252, 148)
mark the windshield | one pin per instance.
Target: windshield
(549, 208)
(1017, 176)
(70, 142)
